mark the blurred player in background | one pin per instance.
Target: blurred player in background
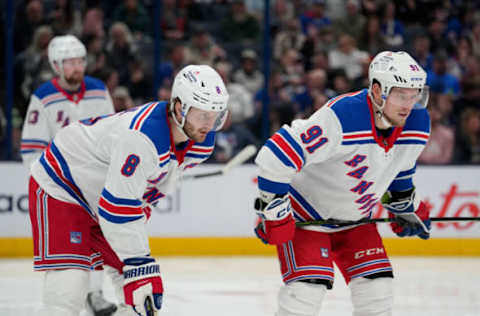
(96, 181)
(357, 149)
(69, 97)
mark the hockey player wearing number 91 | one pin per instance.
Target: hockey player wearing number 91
(358, 149)
(91, 192)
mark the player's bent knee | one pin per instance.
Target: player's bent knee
(65, 292)
(300, 299)
(372, 297)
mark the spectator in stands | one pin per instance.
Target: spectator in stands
(392, 29)
(65, 18)
(248, 75)
(292, 68)
(371, 39)
(457, 65)
(239, 26)
(318, 41)
(410, 12)
(232, 138)
(121, 49)
(93, 23)
(121, 99)
(475, 37)
(444, 104)
(439, 80)
(174, 20)
(201, 49)
(96, 56)
(347, 57)
(315, 83)
(32, 67)
(439, 149)
(164, 93)
(436, 32)
(283, 12)
(281, 106)
(421, 51)
(169, 68)
(354, 22)
(319, 61)
(139, 82)
(109, 76)
(314, 18)
(467, 148)
(289, 36)
(240, 102)
(341, 83)
(134, 15)
(471, 80)
(30, 15)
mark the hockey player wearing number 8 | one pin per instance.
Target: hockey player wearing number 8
(356, 150)
(69, 97)
(91, 191)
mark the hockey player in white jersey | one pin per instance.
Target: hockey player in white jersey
(69, 97)
(91, 190)
(338, 164)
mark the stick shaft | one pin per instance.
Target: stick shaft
(384, 220)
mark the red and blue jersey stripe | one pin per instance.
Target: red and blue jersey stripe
(142, 115)
(164, 159)
(57, 168)
(360, 137)
(199, 151)
(369, 267)
(403, 181)
(287, 149)
(295, 272)
(119, 210)
(302, 210)
(413, 137)
(32, 145)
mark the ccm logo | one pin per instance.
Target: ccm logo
(369, 252)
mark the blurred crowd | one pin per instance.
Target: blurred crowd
(320, 49)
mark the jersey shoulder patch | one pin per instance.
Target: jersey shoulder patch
(352, 111)
(151, 120)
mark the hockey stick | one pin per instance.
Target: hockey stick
(149, 307)
(382, 220)
(245, 154)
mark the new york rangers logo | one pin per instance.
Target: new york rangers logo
(218, 89)
(76, 237)
(324, 252)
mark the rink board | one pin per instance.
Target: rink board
(214, 216)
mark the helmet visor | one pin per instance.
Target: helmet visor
(418, 98)
(211, 119)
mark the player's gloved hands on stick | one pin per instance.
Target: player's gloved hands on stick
(408, 220)
(277, 225)
(142, 287)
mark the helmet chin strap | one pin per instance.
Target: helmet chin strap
(379, 112)
(180, 126)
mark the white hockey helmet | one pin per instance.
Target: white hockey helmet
(64, 47)
(397, 69)
(200, 86)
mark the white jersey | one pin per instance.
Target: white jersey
(52, 108)
(335, 165)
(117, 166)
